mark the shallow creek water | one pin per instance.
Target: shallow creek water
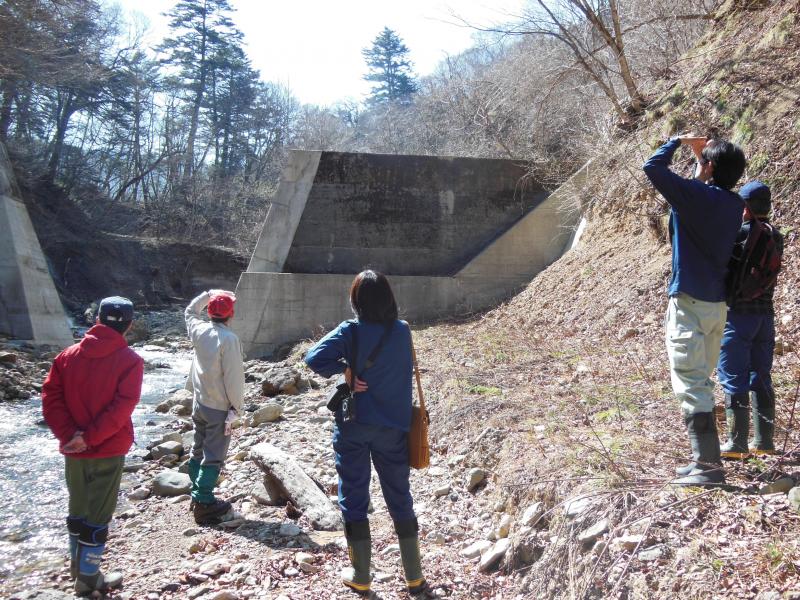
(33, 497)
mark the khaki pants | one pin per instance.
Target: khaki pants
(93, 485)
(694, 335)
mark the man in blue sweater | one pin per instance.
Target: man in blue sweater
(705, 217)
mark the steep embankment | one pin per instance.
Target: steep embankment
(565, 390)
(96, 249)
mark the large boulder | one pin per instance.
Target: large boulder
(171, 483)
(139, 332)
(170, 447)
(281, 380)
(289, 481)
(182, 398)
(271, 411)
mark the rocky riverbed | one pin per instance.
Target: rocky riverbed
(274, 544)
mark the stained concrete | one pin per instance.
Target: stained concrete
(30, 308)
(405, 215)
(491, 264)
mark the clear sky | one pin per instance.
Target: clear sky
(314, 46)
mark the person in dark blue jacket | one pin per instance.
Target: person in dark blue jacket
(748, 344)
(705, 217)
(379, 427)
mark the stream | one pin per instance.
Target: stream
(34, 497)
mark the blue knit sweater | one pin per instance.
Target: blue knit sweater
(704, 222)
(387, 402)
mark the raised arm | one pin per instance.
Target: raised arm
(676, 190)
(193, 314)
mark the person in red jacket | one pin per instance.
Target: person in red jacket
(87, 401)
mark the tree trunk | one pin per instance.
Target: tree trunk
(9, 91)
(64, 114)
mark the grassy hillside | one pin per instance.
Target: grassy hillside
(564, 391)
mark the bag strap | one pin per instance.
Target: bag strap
(376, 351)
(420, 395)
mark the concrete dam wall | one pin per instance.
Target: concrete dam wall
(30, 308)
(454, 235)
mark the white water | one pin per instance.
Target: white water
(33, 497)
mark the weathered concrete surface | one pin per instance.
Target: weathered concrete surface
(284, 212)
(288, 481)
(405, 215)
(275, 308)
(30, 308)
(535, 241)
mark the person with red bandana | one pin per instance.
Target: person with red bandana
(87, 401)
(216, 380)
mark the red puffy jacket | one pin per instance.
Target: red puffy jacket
(93, 386)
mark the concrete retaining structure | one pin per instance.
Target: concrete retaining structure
(30, 308)
(514, 240)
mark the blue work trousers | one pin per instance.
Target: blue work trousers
(354, 445)
(745, 362)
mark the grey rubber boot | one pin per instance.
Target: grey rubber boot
(359, 549)
(408, 539)
(763, 422)
(705, 451)
(737, 414)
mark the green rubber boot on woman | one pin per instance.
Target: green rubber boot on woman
(359, 549)
(408, 538)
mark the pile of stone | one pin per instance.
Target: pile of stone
(23, 369)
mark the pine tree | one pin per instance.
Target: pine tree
(390, 69)
(200, 28)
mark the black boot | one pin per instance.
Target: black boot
(359, 549)
(210, 513)
(74, 529)
(705, 451)
(737, 413)
(763, 422)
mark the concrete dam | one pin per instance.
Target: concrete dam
(454, 235)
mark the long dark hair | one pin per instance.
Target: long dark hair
(371, 297)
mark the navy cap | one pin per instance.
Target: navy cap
(755, 191)
(115, 309)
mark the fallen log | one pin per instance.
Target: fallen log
(287, 479)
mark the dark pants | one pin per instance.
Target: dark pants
(210, 442)
(354, 445)
(93, 485)
(745, 361)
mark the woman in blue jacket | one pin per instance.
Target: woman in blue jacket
(379, 425)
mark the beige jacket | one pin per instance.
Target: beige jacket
(217, 374)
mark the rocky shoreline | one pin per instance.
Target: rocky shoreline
(278, 543)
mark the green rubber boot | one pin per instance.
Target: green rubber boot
(707, 471)
(763, 422)
(408, 538)
(193, 470)
(737, 414)
(359, 549)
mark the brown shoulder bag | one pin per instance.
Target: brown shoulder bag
(419, 453)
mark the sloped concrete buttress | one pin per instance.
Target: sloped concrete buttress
(284, 213)
(30, 308)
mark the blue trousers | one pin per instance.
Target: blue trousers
(355, 444)
(745, 362)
